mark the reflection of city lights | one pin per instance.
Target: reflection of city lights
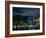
(26, 22)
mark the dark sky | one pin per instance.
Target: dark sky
(25, 11)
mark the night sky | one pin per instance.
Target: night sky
(25, 11)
